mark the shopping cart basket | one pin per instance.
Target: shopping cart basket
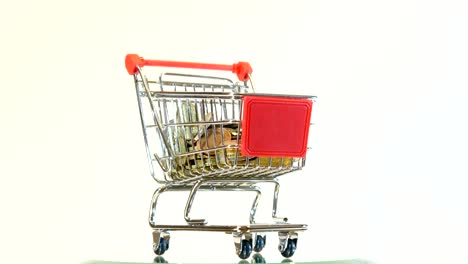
(211, 133)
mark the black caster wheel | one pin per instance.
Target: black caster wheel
(162, 247)
(260, 242)
(246, 249)
(290, 248)
(257, 258)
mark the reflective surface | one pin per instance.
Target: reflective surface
(256, 258)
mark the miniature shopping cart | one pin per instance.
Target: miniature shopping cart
(211, 133)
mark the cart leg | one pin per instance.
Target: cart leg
(154, 202)
(253, 210)
(275, 204)
(188, 206)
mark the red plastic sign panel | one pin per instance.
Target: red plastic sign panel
(275, 126)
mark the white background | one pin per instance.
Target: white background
(385, 181)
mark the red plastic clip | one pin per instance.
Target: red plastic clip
(243, 70)
(131, 61)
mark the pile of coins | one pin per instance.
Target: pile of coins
(205, 145)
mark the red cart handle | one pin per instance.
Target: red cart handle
(242, 69)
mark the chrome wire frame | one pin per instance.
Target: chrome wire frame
(175, 113)
(213, 185)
